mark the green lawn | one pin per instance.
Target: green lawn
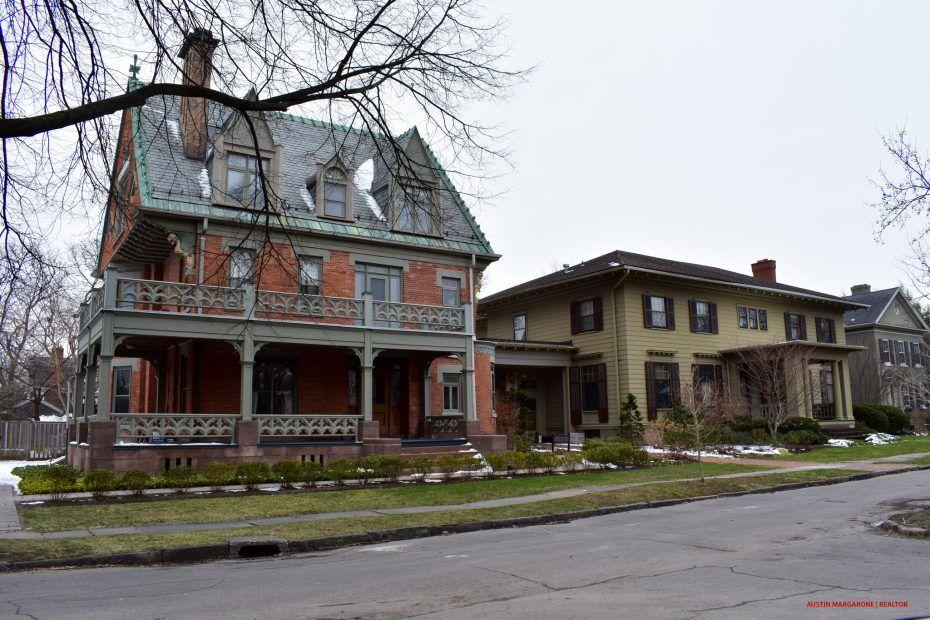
(862, 451)
(211, 510)
(923, 460)
(17, 550)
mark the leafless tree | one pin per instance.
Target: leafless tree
(369, 64)
(771, 375)
(701, 413)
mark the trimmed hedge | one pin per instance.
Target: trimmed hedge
(872, 417)
(897, 419)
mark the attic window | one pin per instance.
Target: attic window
(242, 180)
(416, 211)
(334, 193)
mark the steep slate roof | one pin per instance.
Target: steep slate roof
(619, 260)
(170, 182)
(877, 302)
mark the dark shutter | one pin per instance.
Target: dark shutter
(787, 326)
(576, 317)
(574, 391)
(676, 384)
(713, 318)
(602, 393)
(598, 314)
(647, 310)
(650, 392)
(670, 312)
(802, 320)
(692, 314)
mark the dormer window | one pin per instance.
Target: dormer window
(416, 212)
(334, 193)
(243, 183)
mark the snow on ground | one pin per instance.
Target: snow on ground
(726, 451)
(53, 418)
(880, 439)
(840, 443)
(6, 470)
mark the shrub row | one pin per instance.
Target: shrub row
(881, 418)
(59, 480)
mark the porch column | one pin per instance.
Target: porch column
(90, 386)
(366, 360)
(247, 361)
(566, 402)
(77, 400)
(838, 409)
(103, 391)
(468, 376)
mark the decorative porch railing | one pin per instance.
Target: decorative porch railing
(153, 426)
(445, 427)
(316, 306)
(419, 316)
(309, 426)
(135, 293)
(824, 411)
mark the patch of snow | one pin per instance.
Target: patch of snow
(308, 199)
(7, 467)
(53, 418)
(363, 177)
(35, 503)
(760, 450)
(880, 439)
(840, 443)
(174, 129)
(206, 189)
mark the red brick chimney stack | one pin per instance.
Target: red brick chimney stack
(197, 52)
(764, 270)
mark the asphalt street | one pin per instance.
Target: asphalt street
(757, 556)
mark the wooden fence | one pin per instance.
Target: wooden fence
(33, 440)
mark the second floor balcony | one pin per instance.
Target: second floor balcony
(248, 302)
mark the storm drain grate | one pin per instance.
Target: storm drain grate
(248, 547)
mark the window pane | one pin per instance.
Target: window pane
(238, 160)
(519, 327)
(310, 276)
(590, 395)
(334, 199)
(378, 288)
(451, 292)
(743, 320)
(763, 320)
(236, 182)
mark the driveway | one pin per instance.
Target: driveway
(754, 556)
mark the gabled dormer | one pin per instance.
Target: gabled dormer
(408, 188)
(333, 191)
(233, 161)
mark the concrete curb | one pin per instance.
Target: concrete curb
(217, 551)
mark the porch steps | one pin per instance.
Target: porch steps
(435, 449)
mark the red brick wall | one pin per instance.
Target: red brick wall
(483, 393)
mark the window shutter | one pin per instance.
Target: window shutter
(787, 326)
(692, 314)
(574, 384)
(576, 317)
(598, 314)
(602, 416)
(670, 312)
(651, 414)
(647, 310)
(676, 384)
(803, 321)
(714, 329)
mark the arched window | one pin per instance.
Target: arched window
(335, 186)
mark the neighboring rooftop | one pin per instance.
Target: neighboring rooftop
(876, 301)
(619, 260)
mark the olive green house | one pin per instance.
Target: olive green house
(578, 340)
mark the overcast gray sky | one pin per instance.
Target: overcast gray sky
(712, 132)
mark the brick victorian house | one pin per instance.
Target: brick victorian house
(328, 315)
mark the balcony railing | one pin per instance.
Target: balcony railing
(201, 299)
(824, 411)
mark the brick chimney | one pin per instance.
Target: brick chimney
(197, 52)
(764, 270)
(858, 289)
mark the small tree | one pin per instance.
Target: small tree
(631, 425)
(697, 418)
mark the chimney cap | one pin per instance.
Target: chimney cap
(199, 36)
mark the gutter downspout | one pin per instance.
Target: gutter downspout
(613, 309)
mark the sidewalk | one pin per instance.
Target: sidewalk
(508, 501)
(9, 516)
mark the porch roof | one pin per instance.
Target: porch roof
(532, 352)
(824, 346)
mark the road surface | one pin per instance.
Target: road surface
(758, 556)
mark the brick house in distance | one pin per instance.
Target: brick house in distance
(328, 315)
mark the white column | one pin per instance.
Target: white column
(246, 363)
(90, 386)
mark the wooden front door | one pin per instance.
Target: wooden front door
(389, 406)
